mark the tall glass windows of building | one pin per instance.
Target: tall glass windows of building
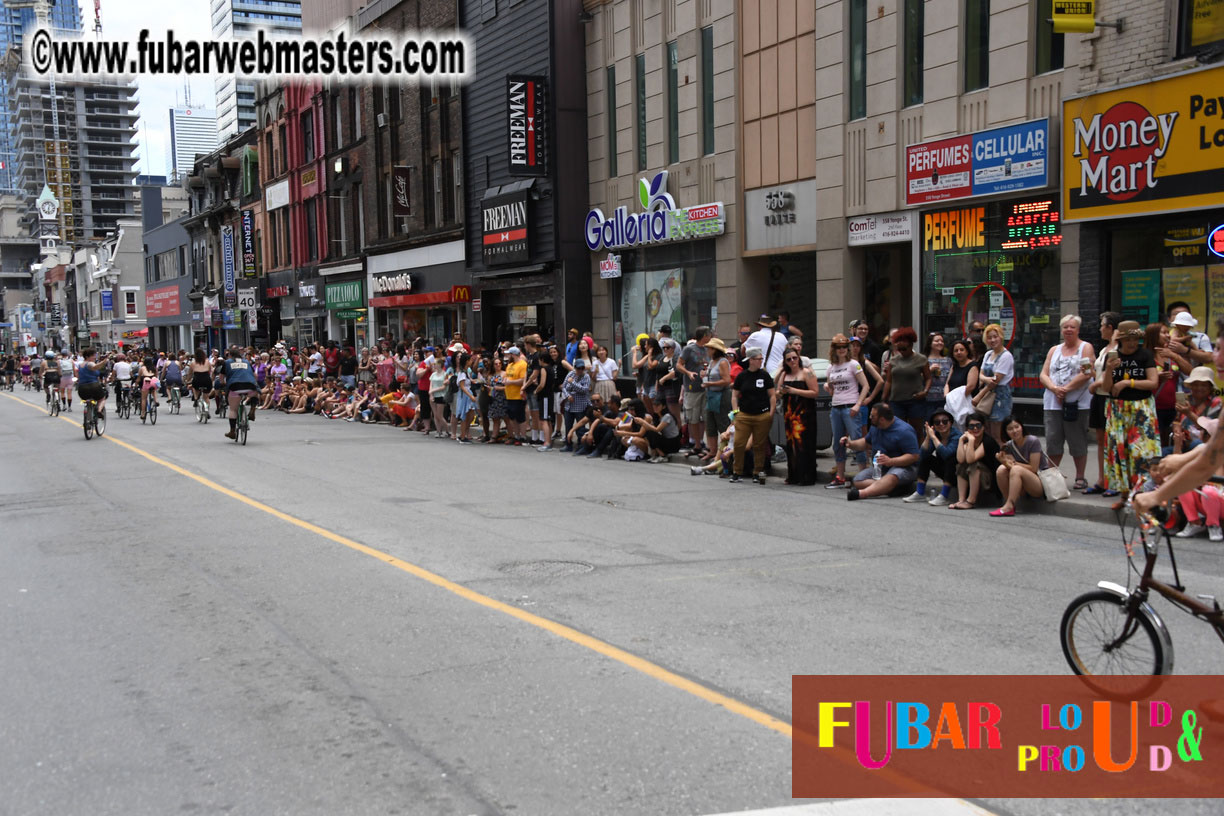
(673, 103)
(1200, 28)
(707, 90)
(610, 93)
(858, 59)
(977, 44)
(914, 30)
(1049, 46)
(639, 82)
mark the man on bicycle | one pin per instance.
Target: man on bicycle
(240, 382)
(51, 379)
(89, 379)
(122, 377)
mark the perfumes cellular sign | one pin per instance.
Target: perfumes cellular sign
(989, 162)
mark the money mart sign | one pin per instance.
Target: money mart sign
(661, 220)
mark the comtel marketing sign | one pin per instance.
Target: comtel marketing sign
(662, 221)
(989, 162)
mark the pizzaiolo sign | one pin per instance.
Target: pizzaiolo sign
(661, 222)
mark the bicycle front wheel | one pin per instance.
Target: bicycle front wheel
(1101, 639)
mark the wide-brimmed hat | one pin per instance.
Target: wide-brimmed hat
(1208, 424)
(1129, 329)
(1202, 374)
(717, 343)
(767, 321)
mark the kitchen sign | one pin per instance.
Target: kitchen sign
(505, 229)
(527, 105)
(610, 267)
(989, 162)
(1151, 148)
(662, 221)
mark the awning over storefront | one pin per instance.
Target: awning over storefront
(422, 299)
(502, 273)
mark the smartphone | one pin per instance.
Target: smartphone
(1111, 355)
(1182, 400)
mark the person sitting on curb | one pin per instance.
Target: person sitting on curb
(896, 447)
(975, 457)
(939, 455)
(1020, 460)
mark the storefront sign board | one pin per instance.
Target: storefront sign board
(1215, 299)
(661, 220)
(1140, 294)
(505, 229)
(1215, 241)
(248, 243)
(527, 125)
(989, 162)
(401, 203)
(399, 283)
(227, 259)
(346, 295)
(610, 267)
(522, 314)
(162, 302)
(884, 228)
(1150, 148)
(780, 217)
(1073, 16)
(276, 195)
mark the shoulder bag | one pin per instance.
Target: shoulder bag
(1053, 483)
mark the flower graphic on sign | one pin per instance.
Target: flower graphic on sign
(654, 195)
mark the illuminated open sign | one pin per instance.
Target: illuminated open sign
(1215, 241)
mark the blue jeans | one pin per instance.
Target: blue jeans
(348, 380)
(844, 424)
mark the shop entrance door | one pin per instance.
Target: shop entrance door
(888, 288)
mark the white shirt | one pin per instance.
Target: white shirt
(760, 339)
(316, 362)
(123, 371)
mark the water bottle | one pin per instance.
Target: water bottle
(876, 472)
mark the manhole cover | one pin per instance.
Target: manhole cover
(546, 569)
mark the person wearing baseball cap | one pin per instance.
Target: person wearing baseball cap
(770, 341)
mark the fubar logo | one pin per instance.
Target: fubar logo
(1118, 150)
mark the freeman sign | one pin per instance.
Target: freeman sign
(661, 222)
(505, 229)
(525, 96)
(1157, 147)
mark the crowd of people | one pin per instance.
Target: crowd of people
(905, 416)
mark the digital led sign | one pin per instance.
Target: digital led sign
(1033, 225)
(1215, 241)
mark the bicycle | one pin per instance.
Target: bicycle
(243, 420)
(201, 409)
(176, 400)
(53, 407)
(123, 404)
(150, 412)
(94, 422)
(1114, 631)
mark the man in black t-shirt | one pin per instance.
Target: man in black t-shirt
(754, 401)
(531, 399)
(871, 349)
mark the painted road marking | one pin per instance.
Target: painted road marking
(596, 645)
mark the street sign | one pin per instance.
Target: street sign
(108, 303)
(248, 298)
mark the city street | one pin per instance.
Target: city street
(346, 619)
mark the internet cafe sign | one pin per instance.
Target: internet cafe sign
(1151, 148)
(661, 220)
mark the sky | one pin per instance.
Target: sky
(123, 20)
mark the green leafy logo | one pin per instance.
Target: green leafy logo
(644, 194)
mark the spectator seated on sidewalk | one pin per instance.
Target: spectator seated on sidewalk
(591, 430)
(1020, 460)
(938, 455)
(720, 465)
(1202, 507)
(896, 446)
(976, 456)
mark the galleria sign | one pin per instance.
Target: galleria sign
(661, 222)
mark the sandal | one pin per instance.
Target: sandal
(1094, 490)
(1109, 494)
(1080, 484)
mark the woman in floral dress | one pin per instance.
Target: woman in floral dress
(1132, 438)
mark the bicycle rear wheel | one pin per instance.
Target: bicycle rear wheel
(153, 414)
(1100, 639)
(99, 422)
(87, 424)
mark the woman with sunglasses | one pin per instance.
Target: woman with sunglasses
(938, 455)
(799, 389)
(846, 380)
(976, 456)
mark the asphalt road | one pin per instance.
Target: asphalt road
(191, 626)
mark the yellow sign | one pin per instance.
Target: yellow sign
(1186, 283)
(1073, 16)
(1151, 148)
(1206, 22)
(954, 229)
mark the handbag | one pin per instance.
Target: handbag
(986, 404)
(1054, 484)
(1070, 411)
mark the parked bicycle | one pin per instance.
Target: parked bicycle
(1114, 631)
(93, 422)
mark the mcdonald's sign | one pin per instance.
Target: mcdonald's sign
(461, 294)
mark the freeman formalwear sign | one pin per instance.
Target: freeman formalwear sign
(505, 229)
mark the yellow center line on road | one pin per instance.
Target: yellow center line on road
(559, 629)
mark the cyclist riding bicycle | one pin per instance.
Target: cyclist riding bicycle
(122, 377)
(172, 375)
(50, 380)
(66, 367)
(89, 379)
(201, 377)
(148, 382)
(240, 382)
(10, 370)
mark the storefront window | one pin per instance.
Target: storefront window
(997, 263)
(1158, 262)
(671, 285)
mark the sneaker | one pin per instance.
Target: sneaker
(836, 484)
(735, 479)
(914, 497)
(762, 477)
(545, 449)
(695, 471)
(658, 460)
(940, 500)
(852, 494)
(1192, 530)
(593, 455)
(1215, 533)
(756, 479)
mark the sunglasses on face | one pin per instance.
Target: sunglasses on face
(945, 422)
(745, 334)
(973, 426)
